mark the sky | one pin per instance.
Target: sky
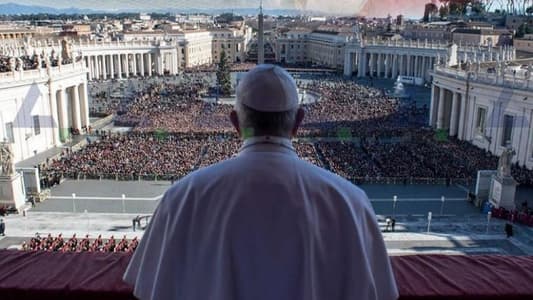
(344, 7)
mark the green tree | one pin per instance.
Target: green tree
(223, 75)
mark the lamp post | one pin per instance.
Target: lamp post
(489, 215)
(88, 220)
(442, 205)
(429, 221)
(73, 202)
(394, 200)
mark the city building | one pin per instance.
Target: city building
(233, 41)
(41, 106)
(489, 105)
(524, 44)
(481, 37)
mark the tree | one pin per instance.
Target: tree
(529, 11)
(223, 75)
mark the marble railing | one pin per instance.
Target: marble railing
(35, 74)
(507, 80)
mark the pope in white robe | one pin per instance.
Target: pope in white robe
(264, 225)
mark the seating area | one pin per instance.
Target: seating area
(60, 244)
(96, 275)
(523, 216)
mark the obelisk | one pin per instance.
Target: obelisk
(260, 37)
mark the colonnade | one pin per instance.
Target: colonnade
(448, 110)
(388, 65)
(131, 64)
(70, 110)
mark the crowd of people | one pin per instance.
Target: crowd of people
(354, 130)
(130, 156)
(59, 244)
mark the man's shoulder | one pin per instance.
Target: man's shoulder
(332, 178)
(317, 177)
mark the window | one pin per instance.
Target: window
(507, 132)
(36, 125)
(480, 120)
(9, 133)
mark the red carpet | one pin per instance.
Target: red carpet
(53, 275)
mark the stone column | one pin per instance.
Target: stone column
(454, 115)
(401, 64)
(159, 62)
(347, 63)
(84, 104)
(141, 56)
(440, 109)
(175, 61)
(379, 65)
(55, 119)
(409, 68)
(104, 66)
(75, 101)
(394, 66)
(149, 58)
(462, 116)
(135, 64)
(62, 115)
(416, 66)
(387, 65)
(119, 66)
(88, 63)
(97, 66)
(371, 64)
(361, 65)
(112, 66)
(127, 65)
(432, 106)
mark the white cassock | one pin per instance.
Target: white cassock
(265, 225)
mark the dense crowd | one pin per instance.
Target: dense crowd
(357, 109)
(130, 155)
(73, 244)
(353, 130)
(181, 106)
(418, 155)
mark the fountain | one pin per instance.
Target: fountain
(398, 90)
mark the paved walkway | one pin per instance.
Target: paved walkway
(447, 235)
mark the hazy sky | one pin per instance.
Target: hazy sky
(323, 5)
(345, 7)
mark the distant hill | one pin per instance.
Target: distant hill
(18, 9)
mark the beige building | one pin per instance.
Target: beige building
(435, 31)
(8, 32)
(232, 41)
(291, 47)
(326, 48)
(481, 37)
(524, 44)
(195, 48)
(77, 29)
(320, 48)
(152, 35)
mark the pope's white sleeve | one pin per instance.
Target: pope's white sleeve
(145, 262)
(378, 259)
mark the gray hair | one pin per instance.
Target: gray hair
(259, 123)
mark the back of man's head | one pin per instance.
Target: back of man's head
(267, 102)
